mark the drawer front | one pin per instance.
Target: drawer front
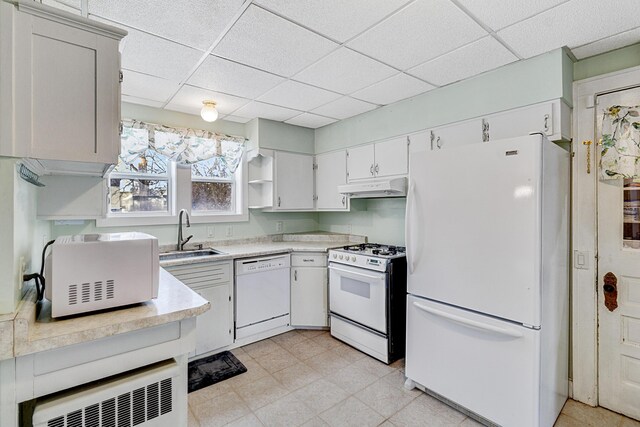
(308, 260)
(200, 275)
(488, 366)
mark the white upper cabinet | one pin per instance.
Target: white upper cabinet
(550, 118)
(294, 189)
(331, 171)
(378, 160)
(66, 80)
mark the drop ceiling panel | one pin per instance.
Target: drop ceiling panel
(393, 89)
(230, 77)
(572, 24)
(474, 58)
(236, 119)
(610, 43)
(337, 19)
(498, 14)
(344, 107)
(267, 111)
(345, 71)
(420, 32)
(189, 100)
(195, 23)
(298, 95)
(148, 87)
(266, 41)
(309, 120)
(156, 56)
(142, 101)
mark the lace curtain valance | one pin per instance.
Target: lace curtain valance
(620, 155)
(183, 145)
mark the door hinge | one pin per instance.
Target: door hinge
(315, 197)
(315, 166)
(229, 298)
(120, 76)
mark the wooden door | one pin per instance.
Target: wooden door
(619, 277)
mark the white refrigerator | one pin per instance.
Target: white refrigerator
(487, 255)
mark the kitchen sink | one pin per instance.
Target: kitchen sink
(195, 253)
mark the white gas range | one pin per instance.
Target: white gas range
(367, 287)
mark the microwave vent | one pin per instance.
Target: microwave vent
(129, 409)
(89, 293)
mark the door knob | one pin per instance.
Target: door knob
(610, 289)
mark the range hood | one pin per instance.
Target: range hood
(394, 187)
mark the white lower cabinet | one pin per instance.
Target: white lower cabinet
(212, 281)
(309, 307)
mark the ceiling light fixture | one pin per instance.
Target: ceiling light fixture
(209, 112)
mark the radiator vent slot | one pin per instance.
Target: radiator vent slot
(97, 291)
(129, 409)
(86, 292)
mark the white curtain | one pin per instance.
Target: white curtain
(620, 155)
(183, 145)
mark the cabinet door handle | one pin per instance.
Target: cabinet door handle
(546, 123)
(278, 201)
(371, 169)
(438, 143)
(295, 275)
(343, 200)
(377, 169)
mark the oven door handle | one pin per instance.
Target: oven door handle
(469, 322)
(358, 274)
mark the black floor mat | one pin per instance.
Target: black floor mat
(213, 369)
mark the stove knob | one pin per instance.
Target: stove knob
(353, 258)
(335, 256)
(340, 256)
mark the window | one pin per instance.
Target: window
(140, 181)
(162, 170)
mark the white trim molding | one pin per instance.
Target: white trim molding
(584, 308)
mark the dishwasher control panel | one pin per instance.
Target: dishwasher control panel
(255, 265)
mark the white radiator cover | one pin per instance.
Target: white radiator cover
(145, 397)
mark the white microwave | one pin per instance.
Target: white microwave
(98, 271)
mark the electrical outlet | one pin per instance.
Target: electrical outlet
(229, 231)
(279, 226)
(22, 269)
(211, 231)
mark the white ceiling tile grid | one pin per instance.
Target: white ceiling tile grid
(298, 95)
(236, 119)
(156, 56)
(148, 87)
(195, 23)
(189, 100)
(393, 89)
(467, 61)
(421, 31)
(609, 43)
(263, 40)
(344, 107)
(574, 23)
(345, 71)
(266, 111)
(498, 14)
(309, 120)
(230, 77)
(337, 19)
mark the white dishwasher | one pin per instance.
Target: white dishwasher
(262, 294)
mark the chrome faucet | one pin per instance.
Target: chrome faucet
(182, 242)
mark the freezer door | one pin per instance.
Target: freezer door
(488, 366)
(473, 227)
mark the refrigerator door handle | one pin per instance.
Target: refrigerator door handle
(468, 322)
(408, 224)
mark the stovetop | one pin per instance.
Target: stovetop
(375, 249)
(373, 256)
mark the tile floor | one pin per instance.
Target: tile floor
(307, 378)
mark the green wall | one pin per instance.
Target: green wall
(608, 62)
(515, 85)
